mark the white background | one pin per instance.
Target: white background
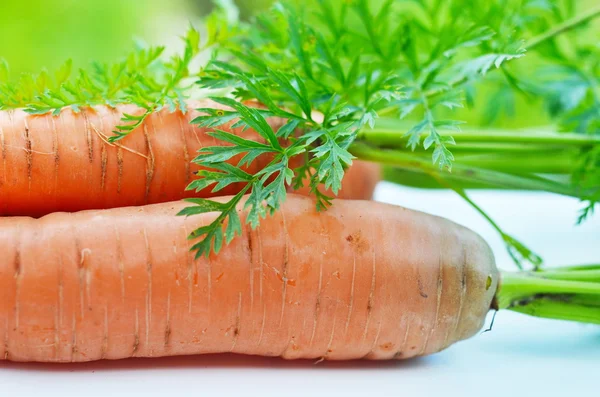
(520, 356)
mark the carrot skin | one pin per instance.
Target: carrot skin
(65, 163)
(362, 280)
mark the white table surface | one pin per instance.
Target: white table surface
(520, 356)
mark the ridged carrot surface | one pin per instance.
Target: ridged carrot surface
(361, 280)
(65, 163)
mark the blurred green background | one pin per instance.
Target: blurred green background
(44, 33)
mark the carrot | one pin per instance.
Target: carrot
(361, 280)
(65, 162)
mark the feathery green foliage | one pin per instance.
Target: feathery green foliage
(353, 62)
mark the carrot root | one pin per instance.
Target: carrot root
(66, 163)
(361, 280)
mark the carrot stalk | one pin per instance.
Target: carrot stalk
(568, 293)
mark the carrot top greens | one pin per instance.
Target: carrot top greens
(380, 81)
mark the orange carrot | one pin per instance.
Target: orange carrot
(65, 163)
(362, 280)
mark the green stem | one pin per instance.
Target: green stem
(465, 173)
(483, 158)
(550, 162)
(390, 132)
(563, 27)
(526, 162)
(581, 275)
(520, 285)
(594, 266)
(575, 273)
(505, 149)
(563, 297)
(559, 310)
(401, 176)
